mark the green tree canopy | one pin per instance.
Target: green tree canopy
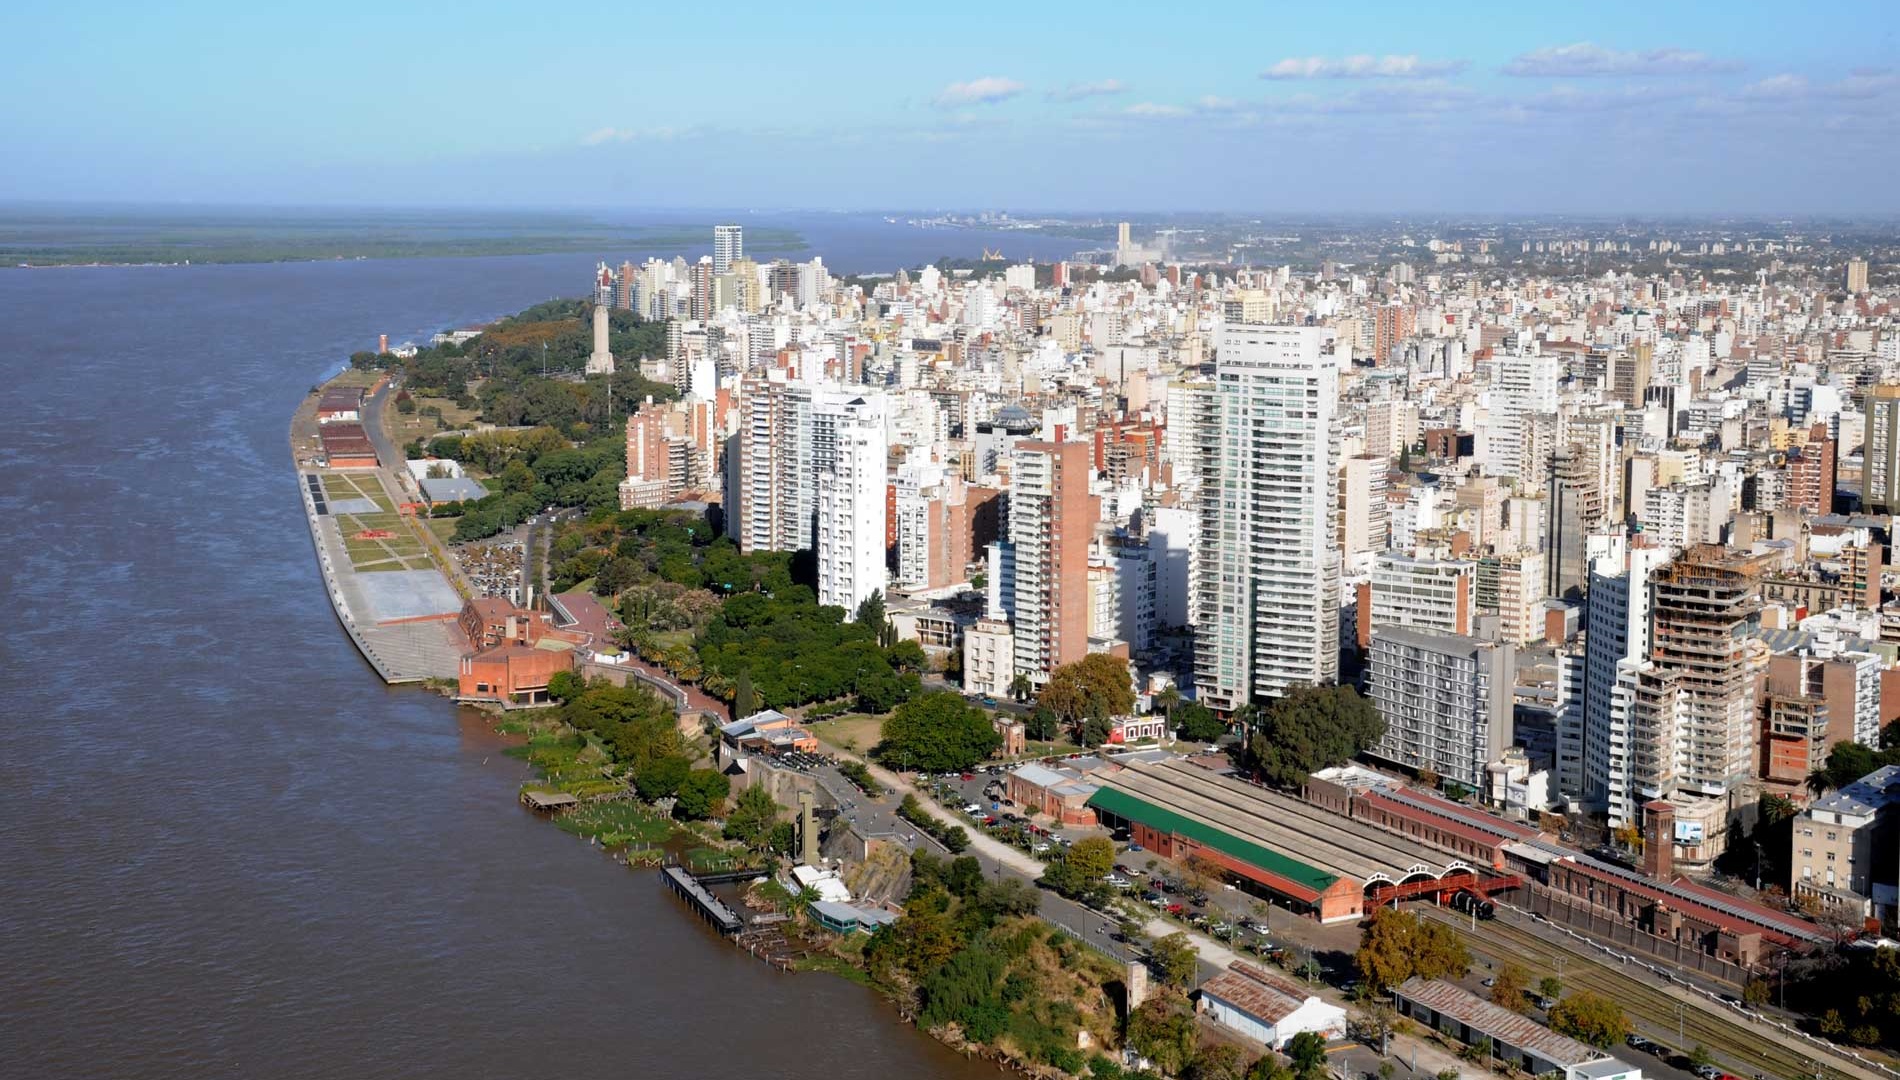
(1311, 728)
(661, 778)
(1591, 1018)
(937, 733)
(753, 814)
(1198, 723)
(702, 794)
(1094, 687)
(1163, 1031)
(1174, 959)
(1307, 1051)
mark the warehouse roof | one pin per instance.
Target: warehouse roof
(1129, 807)
(1323, 842)
(1499, 1024)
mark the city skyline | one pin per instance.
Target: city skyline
(1623, 109)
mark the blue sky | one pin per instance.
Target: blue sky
(1256, 107)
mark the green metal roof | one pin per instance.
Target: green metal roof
(1126, 806)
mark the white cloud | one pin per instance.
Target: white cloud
(1361, 66)
(601, 136)
(1154, 110)
(1776, 88)
(1078, 91)
(1586, 59)
(1866, 83)
(984, 91)
(1211, 103)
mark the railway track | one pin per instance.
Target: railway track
(1737, 1047)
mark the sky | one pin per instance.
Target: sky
(1601, 107)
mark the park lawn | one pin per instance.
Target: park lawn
(443, 528)
(850, 730)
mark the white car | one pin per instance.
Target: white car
(972, 809)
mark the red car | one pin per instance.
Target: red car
(1175, 909)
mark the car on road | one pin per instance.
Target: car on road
(1708, 1072)
(1637, 1042)
(972, 809)
(1488, 981)
(1253, 927)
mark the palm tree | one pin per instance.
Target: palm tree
(1819, 783)
(1168, 698)
(1020, 687)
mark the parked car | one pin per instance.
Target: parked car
(1176, 908)
(1708, 1072)
(1116, 881)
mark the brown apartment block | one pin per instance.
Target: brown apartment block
(1051, 521)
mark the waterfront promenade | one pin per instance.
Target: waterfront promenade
(391, 595)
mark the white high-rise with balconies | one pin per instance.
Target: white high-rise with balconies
(1269, 596)
(850, 504)
(728, 247)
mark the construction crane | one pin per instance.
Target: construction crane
(992, 256)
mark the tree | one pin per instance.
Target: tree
(782, 839)
(1776, 809)
(1174, 960)
(1093, 731)
(1041, 725)
(1700, 1056)
(1218, 1061)
(1399, 945)
(1269, 1067)
(1507, 989)
(1756, 994)
(1094, 687)
(1307, 1050)
(563, 685)
(937, 733)
(1080, 870)
(1310, 728)
(753, 815)
(1590, 1018)
(701, 794)
(661, 778)
(1020, 687)
(871, 612)
(1197, 723)
(745, 701)
(1163, 1032)
(1129, 929)
(1550, 988)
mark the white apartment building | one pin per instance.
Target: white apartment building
(1426, 594)
(989, 658)
(728, 247)
(1522, 385)
(1269, 596)
(850, 499)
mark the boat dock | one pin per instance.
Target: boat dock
(709, 907)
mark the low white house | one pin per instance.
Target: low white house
(1267, 1008)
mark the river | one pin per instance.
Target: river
(226, 850)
